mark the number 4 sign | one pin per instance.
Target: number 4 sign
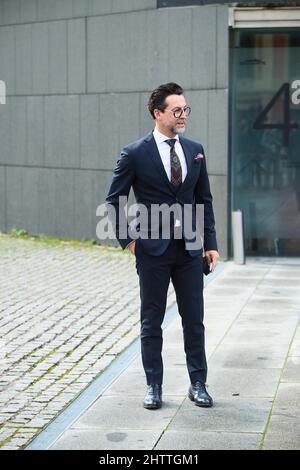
(282, 96)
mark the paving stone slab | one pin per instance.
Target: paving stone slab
(250, 356)
(282, 441)
(288, 396)
(291, 371)
(107, 439)
(251, 383)
(123, 385)
(125, 412)
(284, 420)
(200, 440)
(228, 415)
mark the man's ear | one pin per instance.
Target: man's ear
(156, 113)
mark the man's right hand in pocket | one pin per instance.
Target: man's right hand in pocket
(131, 247)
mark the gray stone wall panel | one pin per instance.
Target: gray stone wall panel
(76, 56)
(40, 58)
(7, 58)
(22, 198)
(57, 57)
(62, 131)
(35, 131)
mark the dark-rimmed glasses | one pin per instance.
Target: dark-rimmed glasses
(178, 112)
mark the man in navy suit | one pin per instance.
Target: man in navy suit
(167, 169)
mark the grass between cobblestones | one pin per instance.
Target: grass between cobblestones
(68, 309)
(24, 235)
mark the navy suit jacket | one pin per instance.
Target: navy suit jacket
(140, 167)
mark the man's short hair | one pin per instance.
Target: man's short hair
(158, 96)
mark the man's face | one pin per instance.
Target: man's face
(166, 122)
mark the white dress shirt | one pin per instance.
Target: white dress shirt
(164, 151)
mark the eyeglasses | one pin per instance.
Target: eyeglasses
(178, 112)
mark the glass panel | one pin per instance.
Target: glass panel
(265, 138)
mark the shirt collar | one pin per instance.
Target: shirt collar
(159, 137)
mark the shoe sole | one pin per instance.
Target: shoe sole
(204, 405)
(152, 407)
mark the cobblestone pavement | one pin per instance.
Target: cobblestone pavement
(66, 312)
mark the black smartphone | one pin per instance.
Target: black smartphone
(206, 267)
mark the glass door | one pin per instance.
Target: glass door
(265, 138)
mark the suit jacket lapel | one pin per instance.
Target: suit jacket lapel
(187, 154)
(188, 159)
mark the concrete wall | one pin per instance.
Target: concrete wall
(78, 76)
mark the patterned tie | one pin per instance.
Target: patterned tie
(176, 171)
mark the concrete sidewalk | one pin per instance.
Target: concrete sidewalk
(253, 347)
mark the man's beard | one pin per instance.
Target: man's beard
(178, 130)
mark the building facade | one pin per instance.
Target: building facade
(78, 75)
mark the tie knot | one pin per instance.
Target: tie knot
(171, 142)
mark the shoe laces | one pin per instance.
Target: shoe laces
(200, 386)
(152, 389)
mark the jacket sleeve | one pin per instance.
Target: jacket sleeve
(203, 196)
(117, 197)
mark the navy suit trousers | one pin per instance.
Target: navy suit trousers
(186, 273)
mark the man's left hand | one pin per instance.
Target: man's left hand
(212, 258)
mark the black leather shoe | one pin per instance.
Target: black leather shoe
(199, 395)
(152, 399)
